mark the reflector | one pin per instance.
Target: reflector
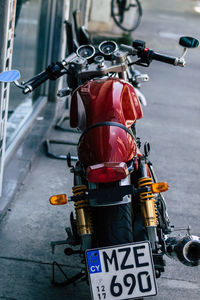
(58, 199)
(159, 187)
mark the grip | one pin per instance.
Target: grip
(164, 58)
(42, 78)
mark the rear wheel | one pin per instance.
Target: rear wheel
(113, 225)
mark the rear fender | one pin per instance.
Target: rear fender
(107, 194)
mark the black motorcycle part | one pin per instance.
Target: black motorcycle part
(138, 44)
(159, 264)
(52, 72)
(113, 225)
(107, 123)
(74, 228)
(69, 251)
(139, 231)
(110, 195)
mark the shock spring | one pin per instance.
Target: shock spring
(83, 211)
(148, 203)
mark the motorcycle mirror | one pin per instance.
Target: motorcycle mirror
(9, 76)
(188, 42)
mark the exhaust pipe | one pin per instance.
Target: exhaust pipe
(186, 249)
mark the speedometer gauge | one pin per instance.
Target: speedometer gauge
(108, 47)
(86, 51)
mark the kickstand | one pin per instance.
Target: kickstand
(59, 125)
(48, 143)
(68, 281)
(58, 142)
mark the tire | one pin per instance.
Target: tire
(131, 16)
(113, 225)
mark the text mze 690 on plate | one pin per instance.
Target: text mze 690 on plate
(121, 272)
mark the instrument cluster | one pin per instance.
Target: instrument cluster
(106, 48)
(86, 51)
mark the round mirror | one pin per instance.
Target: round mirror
(9, 76)
(188, 42)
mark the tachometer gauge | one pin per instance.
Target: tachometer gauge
(108, 47)
(86, 51)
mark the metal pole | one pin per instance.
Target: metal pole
(86, 12)
(57, 41)
(7, 23)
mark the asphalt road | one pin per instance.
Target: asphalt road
(172, 125)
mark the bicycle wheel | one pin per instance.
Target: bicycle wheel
(126, 14)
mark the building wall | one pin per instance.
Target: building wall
(99, 19)
(32, 53)
(7, 17)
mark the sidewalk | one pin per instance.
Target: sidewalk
(28, 228)
(171, 124)
(19, 162)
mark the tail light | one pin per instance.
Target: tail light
(107, 172)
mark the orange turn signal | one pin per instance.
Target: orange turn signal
(159, 187)
(58, 199)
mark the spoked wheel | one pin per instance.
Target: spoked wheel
(126, 14)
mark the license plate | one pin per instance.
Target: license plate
(121, 272)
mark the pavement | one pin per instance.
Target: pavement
(171, 123)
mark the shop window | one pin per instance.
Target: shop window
(24, 59)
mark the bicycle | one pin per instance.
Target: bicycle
(126, 14)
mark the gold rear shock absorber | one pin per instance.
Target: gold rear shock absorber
(148, 205)
(83, 212)
(149, 210)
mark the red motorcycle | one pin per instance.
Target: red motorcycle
(121, 221)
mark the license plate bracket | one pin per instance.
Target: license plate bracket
(121, 272)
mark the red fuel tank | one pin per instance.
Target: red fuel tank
(99, 101)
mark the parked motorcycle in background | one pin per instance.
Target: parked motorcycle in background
(121, 224)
